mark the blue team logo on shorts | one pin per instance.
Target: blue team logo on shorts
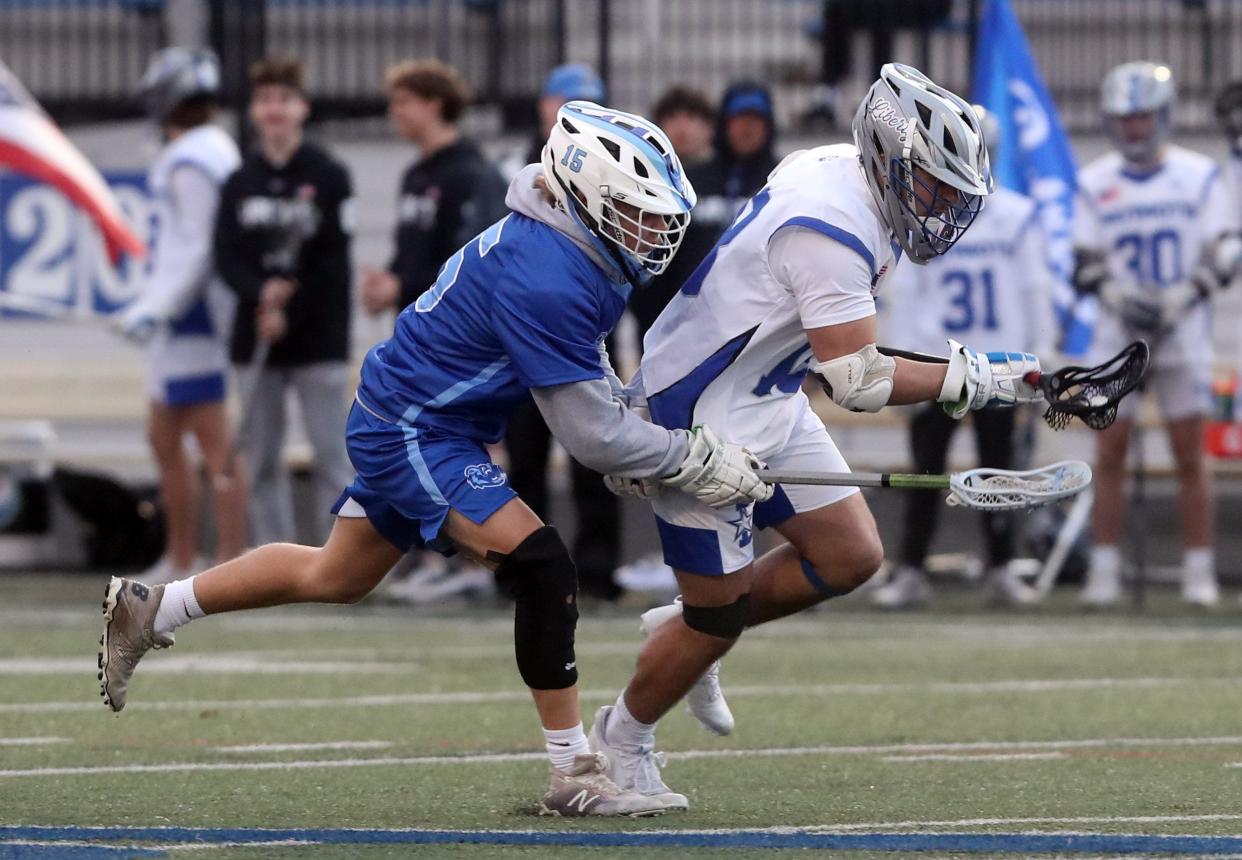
(485, 476)
(744, 525)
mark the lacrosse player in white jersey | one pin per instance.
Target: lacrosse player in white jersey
(992, 290)
(1153, 237)
(184, 315)
(789, 289)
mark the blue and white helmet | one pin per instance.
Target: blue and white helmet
(1139, 87)
(176, 75)
(608, 170)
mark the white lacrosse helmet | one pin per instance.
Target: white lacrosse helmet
(990, 129)
(907, 121)
(1137, 88)
(176, 75)
(608, 170)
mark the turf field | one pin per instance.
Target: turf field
(377, 732)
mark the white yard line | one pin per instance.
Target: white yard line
(33, 742)
(973, 757)
(481, 697)
(327, 745)
(195, 664)
(984, 747)
(1008, 822)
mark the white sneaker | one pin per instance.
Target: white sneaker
(1103, 588)
(1199, 588)
(163, 571)
(705, 701)
(649, 573)
(585, 789)
(637, 769)
(907, 588)
(436, 581)
(1003, 587)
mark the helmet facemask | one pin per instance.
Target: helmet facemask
(938, 212)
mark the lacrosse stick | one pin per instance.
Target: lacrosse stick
(1079, 514)
(980, 489)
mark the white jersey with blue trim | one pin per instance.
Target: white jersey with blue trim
(992, 290)
(730, 350)
(1154, 227)
(181, 284)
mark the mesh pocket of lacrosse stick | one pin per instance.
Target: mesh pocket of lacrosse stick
(1092, 393)
(1004, 490)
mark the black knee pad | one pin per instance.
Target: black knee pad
(542, 579)
(726, 622)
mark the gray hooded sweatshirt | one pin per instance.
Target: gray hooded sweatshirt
(592, 418)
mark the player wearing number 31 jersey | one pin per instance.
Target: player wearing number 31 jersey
(788, 289)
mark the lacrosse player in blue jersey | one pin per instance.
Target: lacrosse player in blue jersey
(521, 310)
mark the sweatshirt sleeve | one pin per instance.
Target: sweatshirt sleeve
(601, 434)
(243, 275)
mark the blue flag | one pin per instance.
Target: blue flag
(1034, 154)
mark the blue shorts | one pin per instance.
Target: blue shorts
(408, 478)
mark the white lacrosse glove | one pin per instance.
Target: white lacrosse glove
(137, 321)
(719, 474)
(1141, 310)
(976, 380)
(1219, 266)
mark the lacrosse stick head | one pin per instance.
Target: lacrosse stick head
(1092, 393)
(1005, 490)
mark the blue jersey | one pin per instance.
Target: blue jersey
(519, 307)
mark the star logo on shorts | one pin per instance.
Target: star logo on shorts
(744, 525)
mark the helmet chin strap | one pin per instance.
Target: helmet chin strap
(610, 246)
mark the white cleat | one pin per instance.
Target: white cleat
(705, 701)
(1103, 588)
(1199, 588)
(907, 588)
(636, 769)
(1003, 587)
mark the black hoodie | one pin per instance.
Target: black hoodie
(289, 221)
(723, 184)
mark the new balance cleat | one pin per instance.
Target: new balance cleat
(585, 789)
(129, 610)
(705, 701)
(637, 769)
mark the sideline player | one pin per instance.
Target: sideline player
(787, 289)
(1150, 236)
(522, 307)
(992, 290)
(185, 312)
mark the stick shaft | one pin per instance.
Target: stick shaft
(857, 479)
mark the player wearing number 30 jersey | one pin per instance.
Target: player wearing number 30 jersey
(790, 288)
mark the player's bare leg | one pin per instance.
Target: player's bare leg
(1197, 509)
(209, 423)
(831, 551)
(178, 487)
(1103, 586)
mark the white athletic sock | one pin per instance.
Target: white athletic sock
(1201, 560)
(564, 744)
(178, 606)
(624, 729)
(1106, 558)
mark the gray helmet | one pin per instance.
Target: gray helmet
(991, 131)
(176, 75)
(1140, 87)
(907, 121)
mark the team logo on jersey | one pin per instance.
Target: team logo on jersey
(743, 525)
(485, 476)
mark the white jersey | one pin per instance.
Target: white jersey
(189, 355)
(992, 291)
(730, 350)
(1154, 228)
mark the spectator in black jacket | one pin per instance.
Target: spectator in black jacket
(448, 196)
(743, 158)
(282, 244)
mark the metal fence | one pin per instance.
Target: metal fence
(82, 57)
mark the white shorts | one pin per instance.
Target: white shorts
(716, 541)
(1181, 392)
(188, 359)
